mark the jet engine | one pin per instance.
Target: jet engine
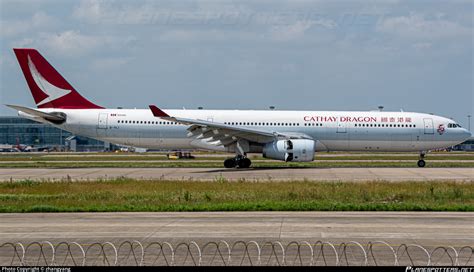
(298, 150)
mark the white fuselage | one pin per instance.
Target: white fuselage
(332, 130)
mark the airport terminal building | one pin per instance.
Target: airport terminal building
(466, 146)
(16, 131)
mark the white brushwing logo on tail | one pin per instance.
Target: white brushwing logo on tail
(49, 89)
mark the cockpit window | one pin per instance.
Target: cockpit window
(453, 125)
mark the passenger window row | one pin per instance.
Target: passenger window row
(147, 122)
(261, 124)
(386, 125)
(274, 124)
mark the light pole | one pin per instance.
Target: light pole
(469, 122)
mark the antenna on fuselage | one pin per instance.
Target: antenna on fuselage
(381, 108)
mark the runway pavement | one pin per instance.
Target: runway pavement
(258, 174)
(426, 228)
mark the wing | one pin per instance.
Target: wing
(222, 134)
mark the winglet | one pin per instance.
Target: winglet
(157, 112)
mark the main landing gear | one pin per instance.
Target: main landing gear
(239, 161)
(421, 161)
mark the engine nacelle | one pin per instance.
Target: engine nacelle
(299, 150)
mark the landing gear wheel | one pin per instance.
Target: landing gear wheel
(230, 163)
(244, 163)
(421, 163)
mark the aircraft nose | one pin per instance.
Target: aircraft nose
(466, 134)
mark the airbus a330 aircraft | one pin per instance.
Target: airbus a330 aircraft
(281, 135)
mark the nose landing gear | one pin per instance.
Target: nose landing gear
(421, 161)
(239, 161)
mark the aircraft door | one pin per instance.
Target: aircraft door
(341, 136)
(341, 127)
(102, 125)
(102, 121)
(428, 124)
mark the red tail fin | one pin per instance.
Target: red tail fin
(48, 87)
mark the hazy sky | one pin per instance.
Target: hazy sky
(308, 55)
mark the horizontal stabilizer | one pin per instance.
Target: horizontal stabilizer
(47, 116)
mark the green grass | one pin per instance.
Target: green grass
(220, 195)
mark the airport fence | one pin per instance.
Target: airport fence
(235, 253)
